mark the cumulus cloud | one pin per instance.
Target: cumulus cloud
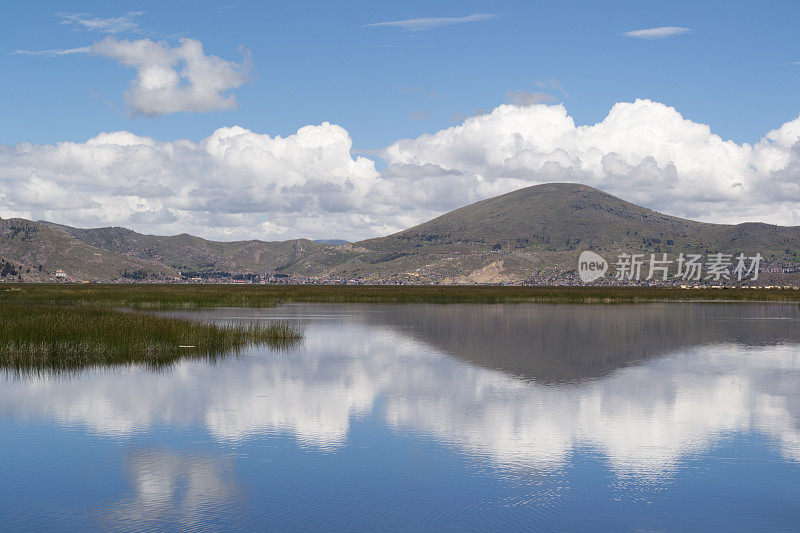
(644, 151)
(169, 79)
(233, 184)
(239, 184)
(87, 22)
(661, 32)
(428, 23)
(176, 79)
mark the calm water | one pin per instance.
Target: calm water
(424, 417)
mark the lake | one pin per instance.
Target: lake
(662, 416)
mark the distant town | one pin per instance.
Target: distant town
(775, 275)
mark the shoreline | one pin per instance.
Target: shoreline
(253, 295)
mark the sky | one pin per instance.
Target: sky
(236, 120)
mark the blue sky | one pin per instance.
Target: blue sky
(731, 67)
(316, 61)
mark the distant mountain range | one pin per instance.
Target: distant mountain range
(530, 235)
(331, 241)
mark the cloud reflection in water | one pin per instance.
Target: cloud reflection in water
(644, 411)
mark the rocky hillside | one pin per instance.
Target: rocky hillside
(536, 233)
(533, 234)
(188, 253)
(36, 250)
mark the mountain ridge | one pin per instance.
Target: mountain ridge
(529, 235)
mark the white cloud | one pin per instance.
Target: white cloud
(87, 22)
(643, 151)
(239, 184)
(427, 23)
(175, 79)
(661, 32)
(57, 52)
(233, 184)
(168, 79)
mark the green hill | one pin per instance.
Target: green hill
(186, 252)
(530, 235)
(37, 250)
(566, 216)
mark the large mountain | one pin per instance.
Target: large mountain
(533, 234)
(536, 233)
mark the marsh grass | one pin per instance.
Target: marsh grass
(66, 326)
(162, 296)
(259, 296)
(59, 337)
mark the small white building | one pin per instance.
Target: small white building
(60, 274)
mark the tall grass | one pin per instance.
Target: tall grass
(59, 337)
(142, 296)
(178, 296)
(64, 326)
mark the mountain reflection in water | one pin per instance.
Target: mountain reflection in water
(518, 387)
(561, 343)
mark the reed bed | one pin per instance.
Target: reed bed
(187, 296)
(66, 326)
(59, 337)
